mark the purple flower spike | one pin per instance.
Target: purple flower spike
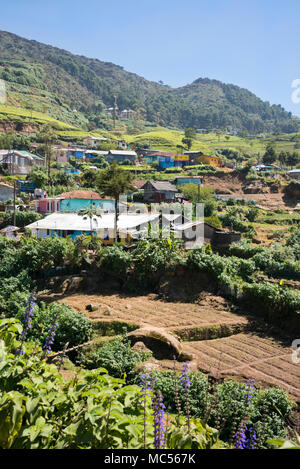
(159, 421)
(184, 379)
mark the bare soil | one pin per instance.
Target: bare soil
(247, 351)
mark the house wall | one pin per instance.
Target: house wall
(211, 160)
(74, 205)
(6, 192)
(48, 206)
(188, 180)
(120, 158)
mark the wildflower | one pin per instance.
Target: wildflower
(50, 339)
(242, 442)
(159, 421)
(240, 437)
(185, 384)
(147, 386)
(250, 388)
(184, 380)
(29, 313)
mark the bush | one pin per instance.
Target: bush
(225, 405)
(117, 358)
(73, 327)
(22, 218)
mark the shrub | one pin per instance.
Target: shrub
(117, 357)
(225, 405)
(22, 218)
(73, 327)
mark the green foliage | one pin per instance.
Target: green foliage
(117, 357)
(39, 410)
(22, 218)
(115, 261)
(73, 327)
(225, 405)
(38, 176)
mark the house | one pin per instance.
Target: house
(61, 154)
(77, 153)
(294, 173)
(188, 180)
(90, 155)
(120, 156)
(197, 157)
(199, 233)
(73, 225)
(159, 191)
(127, 114)
(166, 162)
(181, 160)
(74, 201)
(19, 161)
(10, 232)
(138, 184)
(93, 141)
(6, 192)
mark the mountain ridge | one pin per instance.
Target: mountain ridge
(84, 85)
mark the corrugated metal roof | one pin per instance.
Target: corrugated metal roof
(122, 152)
(73, 221)
(163, 186)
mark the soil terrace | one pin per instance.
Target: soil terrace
(221, 342)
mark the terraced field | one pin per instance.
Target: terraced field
(221, 341)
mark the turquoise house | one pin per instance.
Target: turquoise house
(189, 180)
(77, 200)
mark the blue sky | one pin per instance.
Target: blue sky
(251, 43)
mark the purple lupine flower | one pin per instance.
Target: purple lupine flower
(159, 421)
(147, 386)
(184, 379)
(47, 347)
(252, 438)
(29, 313)
(250, 388)
(242, 442)
(240, 438)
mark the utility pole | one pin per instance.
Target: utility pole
(14, 223)
(115, 111)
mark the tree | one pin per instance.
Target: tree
(90, 212)
(38, 176)
(113, 182)
(190, 133)
(188, 142)
(270, 155)
(292, 158)
(282, 157)
(48, 137)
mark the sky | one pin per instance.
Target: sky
(250, 43)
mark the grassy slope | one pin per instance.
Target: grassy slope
(167, 139)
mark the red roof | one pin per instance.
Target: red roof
(81, 195)
(138, 184)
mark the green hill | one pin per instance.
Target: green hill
(76, 89)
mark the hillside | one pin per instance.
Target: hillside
(76, 89)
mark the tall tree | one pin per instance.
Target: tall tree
(48, 137)
(113, 182)
(270, 155)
